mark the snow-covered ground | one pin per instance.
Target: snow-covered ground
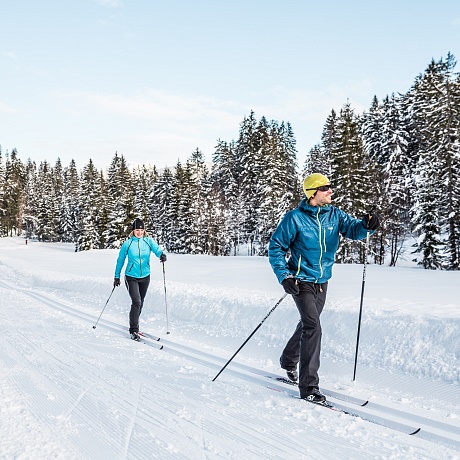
(69, 391)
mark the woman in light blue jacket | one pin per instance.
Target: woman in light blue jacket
(137, 248)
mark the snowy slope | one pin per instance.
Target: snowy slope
(73, 392)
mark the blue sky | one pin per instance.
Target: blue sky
(154, 80)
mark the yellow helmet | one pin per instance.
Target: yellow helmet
(312, 182)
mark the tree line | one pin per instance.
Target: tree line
(401, 158)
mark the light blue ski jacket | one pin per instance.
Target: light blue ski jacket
(138, 252)
(311, 234)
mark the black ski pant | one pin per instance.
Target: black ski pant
(137, 288)
(304, 347)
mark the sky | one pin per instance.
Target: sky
(69, 391)
(154, 80)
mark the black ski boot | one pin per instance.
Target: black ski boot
(292, 375)
(315, 396)
(135, 336)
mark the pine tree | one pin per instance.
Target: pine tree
(143, 178)
(372, 128)
(224, 188)
(317, 161)
(57, 175)
(217, 238)
(88, 231)
(120, 204)
(349, 176)
(197, 172)
(181, 204)
(279, 189)
(70, 203)
(30, 210)
(248, 169)
(3, 226)
(385, 143)
(162, 209)
(47, 204)
(14, 197)
(102, 218)
(436, 108)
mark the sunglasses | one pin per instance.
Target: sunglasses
(323, 188)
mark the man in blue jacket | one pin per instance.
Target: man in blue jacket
(309, 235)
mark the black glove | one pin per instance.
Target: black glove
(371, 221)
(290, 286)
(163, 257)
(116, 282)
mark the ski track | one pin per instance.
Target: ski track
(83, 398)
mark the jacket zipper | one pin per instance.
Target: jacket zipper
(140, 258)
(320, 245)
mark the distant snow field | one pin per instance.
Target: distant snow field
(69, 391)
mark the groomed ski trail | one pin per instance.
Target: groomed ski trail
(423, 427)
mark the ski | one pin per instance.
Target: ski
(345, 398)
(329, 405)
(368, 417)
(393, 425)
(149, 336)
(147, 339)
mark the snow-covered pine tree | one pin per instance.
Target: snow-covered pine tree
(120, 202)
(249, 169)
(3, 231)
(350, 178)
(30, 210)
(88, 237)
(225, 189)
(428, 201)
(292, 187)
(329, 137)
(48, 204)
(182, 202)
(162, 218)
(102, 218)
(446, 128)
(144, 178)
(385, 144)
(193, 202)
(279, 184)
(317, 161)
(396, 199)
(217, 240)
(57, 175)
(372, 126)
(70, 202)
(319, 157)
(264, 186)
(14, 197)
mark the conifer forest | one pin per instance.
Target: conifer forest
(401, 157)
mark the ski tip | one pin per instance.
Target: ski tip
(161, 348)
(415, 432)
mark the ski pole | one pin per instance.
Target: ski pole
(94, 327)
(253, 332)
(361, 303)
(166, 301)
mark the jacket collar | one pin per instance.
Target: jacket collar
(308, 208)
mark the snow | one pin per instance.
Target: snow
(69, 391)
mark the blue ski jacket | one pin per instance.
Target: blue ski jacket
(138, 252)
(311, 234)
